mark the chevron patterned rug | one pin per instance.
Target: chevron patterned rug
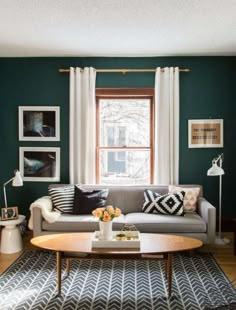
(30, 283)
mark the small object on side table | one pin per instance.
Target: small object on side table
(11, 240)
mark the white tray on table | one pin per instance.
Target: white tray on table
(132, 240)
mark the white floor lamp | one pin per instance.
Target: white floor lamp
(216, 170)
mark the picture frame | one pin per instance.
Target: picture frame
(39, 123)
(205, 133)
(10, 213)
(41, 164)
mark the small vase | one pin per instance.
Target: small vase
(105, 230)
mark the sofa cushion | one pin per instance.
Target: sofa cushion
(85, 201)
(128, 198)
(62, 198)
(156, 223)
(171, 204)
(190, 198)
(80, 223)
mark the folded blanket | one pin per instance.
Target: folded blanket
(45, 204)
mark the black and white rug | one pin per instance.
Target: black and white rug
(31, 283)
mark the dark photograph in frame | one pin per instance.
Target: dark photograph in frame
(40, 164)
(39, 123)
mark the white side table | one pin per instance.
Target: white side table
(11, 240)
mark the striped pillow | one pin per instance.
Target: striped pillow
(62, 198)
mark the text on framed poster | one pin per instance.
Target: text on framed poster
(205, 133)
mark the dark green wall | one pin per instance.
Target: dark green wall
(208, 90)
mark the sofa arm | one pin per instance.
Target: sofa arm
(36, 208)
(208, 212)
(37, 220)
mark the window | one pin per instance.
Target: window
(124, 136)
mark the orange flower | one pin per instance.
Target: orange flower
(94, 212)
(97, 213)
(110, 210)
(106, 214)
(117, 212)
(106, 217)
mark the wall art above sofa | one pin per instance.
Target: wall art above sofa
(40, 163)
(39, 123)
(205, 133)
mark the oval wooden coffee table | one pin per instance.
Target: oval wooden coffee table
(152, 246)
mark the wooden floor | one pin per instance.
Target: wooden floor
(223, 255)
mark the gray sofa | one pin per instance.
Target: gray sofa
(129, 199)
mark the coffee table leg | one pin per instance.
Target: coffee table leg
(166, 273)
(169, 271)
(58, 255)
(67, 266)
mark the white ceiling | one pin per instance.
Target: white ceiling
(117, 28)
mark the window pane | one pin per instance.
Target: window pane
(125, 167)
(124, 122)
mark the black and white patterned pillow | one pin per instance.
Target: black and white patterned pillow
(171, 204)
(62, 198)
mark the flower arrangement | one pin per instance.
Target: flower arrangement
(106, 214)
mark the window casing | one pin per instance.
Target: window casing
(125, 136)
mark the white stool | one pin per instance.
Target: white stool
(11, 240)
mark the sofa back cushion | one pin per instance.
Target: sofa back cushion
(129, 198)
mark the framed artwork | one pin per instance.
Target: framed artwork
(40, 163)
(205, 133)
(10, 213)
(39, 123)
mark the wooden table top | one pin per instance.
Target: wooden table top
(150, 244)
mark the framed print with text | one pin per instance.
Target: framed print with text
(205, 133)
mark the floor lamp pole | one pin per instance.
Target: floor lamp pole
(219, 240)
(220, 197)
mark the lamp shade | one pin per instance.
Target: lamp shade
(17, 180)
(215, 170)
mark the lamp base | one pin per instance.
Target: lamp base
(222, 241)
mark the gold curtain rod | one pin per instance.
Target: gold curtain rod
(124, 71)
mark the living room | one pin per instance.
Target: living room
(204, 43)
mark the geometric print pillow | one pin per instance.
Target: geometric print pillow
(62, 198)
(170, 204)
(190, 198)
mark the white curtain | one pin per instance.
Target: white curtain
(166, 170)
(82, 120)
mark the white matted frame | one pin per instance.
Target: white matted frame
(39, 123)
(205, 133)
(41, 164)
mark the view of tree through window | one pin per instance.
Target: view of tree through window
(124, 150)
